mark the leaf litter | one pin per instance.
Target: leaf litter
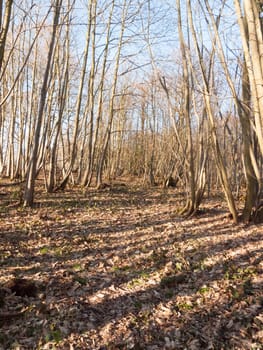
(119, 270)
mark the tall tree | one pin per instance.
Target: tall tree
(93, 139)
(106, 138)
(251, 110)
(4, 25)
(248, 121)
(186, 112)
(92, 8)
(32, 168)
(222, 172)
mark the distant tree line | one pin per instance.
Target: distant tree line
(94, 90)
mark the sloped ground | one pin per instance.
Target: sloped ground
(118, 269)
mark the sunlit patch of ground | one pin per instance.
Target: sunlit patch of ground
(118, 269)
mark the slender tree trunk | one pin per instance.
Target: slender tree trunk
(4, 27)
(63, 81)
(87, 176)
(249, 84)
(191, 204)
(112, 98)
(32, 169)
(217, 151)
(73, 150)
(91, 97)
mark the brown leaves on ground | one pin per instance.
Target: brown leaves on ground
(117, 269)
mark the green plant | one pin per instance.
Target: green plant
(44, 250)
(54, 334)
(135, 282)
(179, 266)
(144, 275)
(77, 267)
(204, 290)
(121, 268)
(60, 251)
(234, 273)
(185, 306)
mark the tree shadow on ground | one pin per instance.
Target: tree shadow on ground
(135, 283)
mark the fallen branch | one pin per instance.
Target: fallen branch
(12, 184)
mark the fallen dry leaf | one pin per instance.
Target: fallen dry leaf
(119, 270)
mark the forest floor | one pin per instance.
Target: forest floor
(119, 269)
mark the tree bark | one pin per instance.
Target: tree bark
(32, 169)
(4, 28)
(216, 147)
(112, 97)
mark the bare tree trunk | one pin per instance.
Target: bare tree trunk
(32, 110)
(63, 81)
(73, 151)
(87, 176)
(217, 151)
(251, 35)
(4, 28)
(191, 202)
(249, 87)
(112, 98)
(251, 179)
(91, 96)
(31, 172)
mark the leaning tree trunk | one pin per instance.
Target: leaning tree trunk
(4, 28)
(63, 79)
(216, 147)
(32, 169)
(250, 94)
